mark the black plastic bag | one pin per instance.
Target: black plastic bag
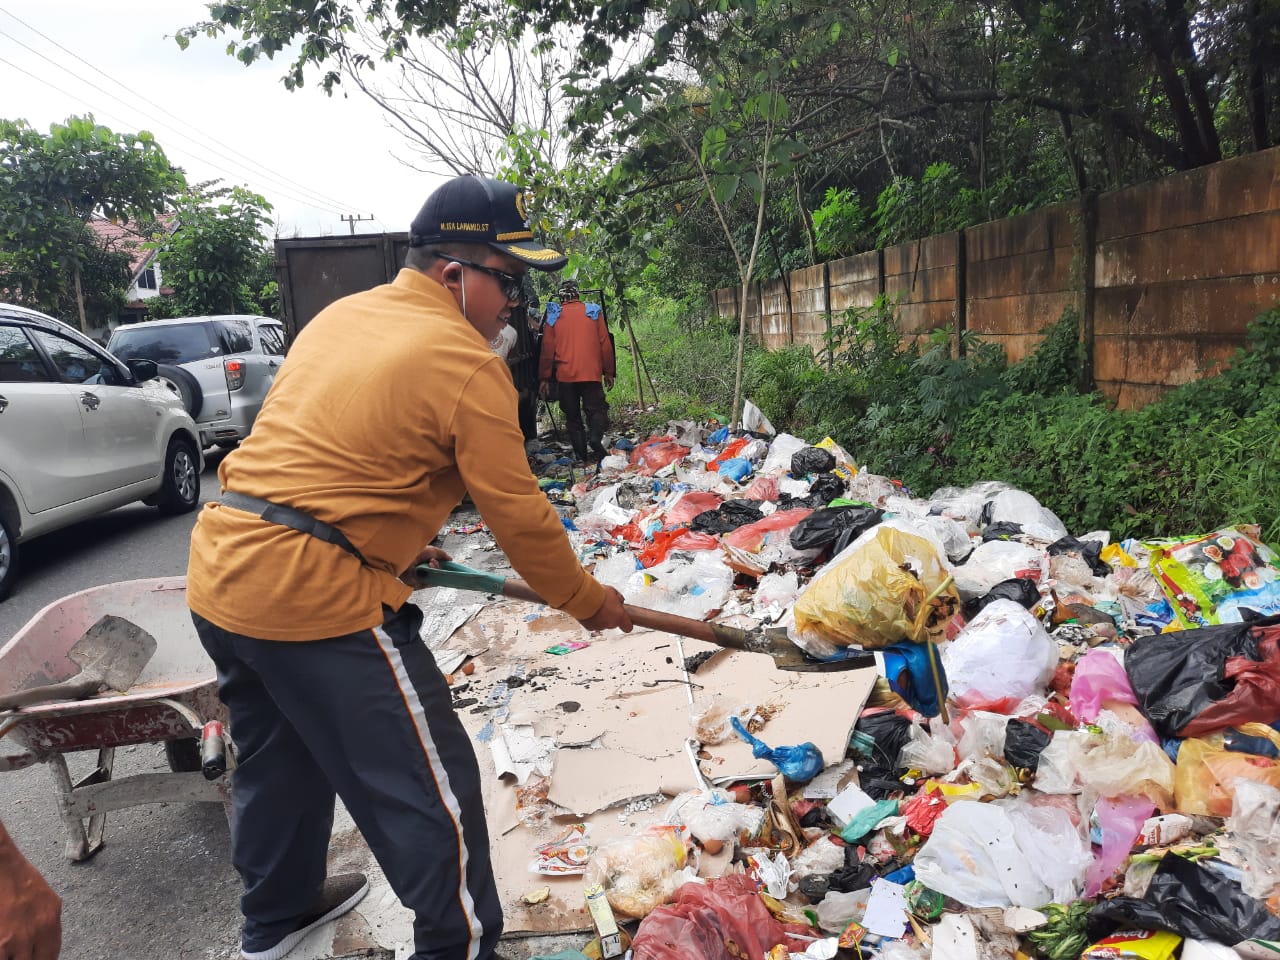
(825, 488)
(1019, 589)
(1024, 742)
(834, 527)
(1001, 531)
(890, 730)
(1177, 676)
(853, 875)
(809, 460)
(1090, 552)
(1190, 899)
(729, 516)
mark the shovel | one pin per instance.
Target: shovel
(111, 654)
(772, 642)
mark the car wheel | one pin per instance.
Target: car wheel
(184, 385)
(8, 557)
(180, 489)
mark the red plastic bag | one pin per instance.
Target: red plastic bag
(664, 541)
(728, 453)
(762, 488)
(652, 455)
(754, 535)
(1255, 690)
(705, 918)
(923, 810)
(689, 506)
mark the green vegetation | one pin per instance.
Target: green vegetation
(1205, 455)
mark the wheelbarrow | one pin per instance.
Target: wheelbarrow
(170, 703)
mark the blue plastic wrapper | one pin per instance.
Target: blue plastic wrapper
(720, 436)
(906, 667)
(799, 764)
(736, 469)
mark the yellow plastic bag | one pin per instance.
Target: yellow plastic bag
(889, 585)
(1203, 780)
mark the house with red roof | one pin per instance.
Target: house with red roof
(145, 280)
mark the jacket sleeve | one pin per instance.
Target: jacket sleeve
(546, 362)
(489, 450)
(607, 360)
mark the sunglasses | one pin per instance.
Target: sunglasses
(511, 285)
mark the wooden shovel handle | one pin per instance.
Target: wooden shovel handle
(640, 616)
(67, 690)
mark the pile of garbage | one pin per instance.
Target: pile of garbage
(1072, 749)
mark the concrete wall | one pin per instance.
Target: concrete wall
(1165, 276)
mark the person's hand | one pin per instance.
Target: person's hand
(30, 912)
(608, 382)
(432, 556)
(612, 613)
(543, 389)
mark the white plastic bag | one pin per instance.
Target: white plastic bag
(974, 856)
(781, 450)
(692, 585)
(1255, 831)
(1015, 506)
(965, 503)
(998, 560)
(605, 513)
(754, 420)
(929, 752)
(983, 734)
(1004, 653)
(1057, 771)
(1059, 849)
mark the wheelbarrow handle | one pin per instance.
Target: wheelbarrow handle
(461, 577)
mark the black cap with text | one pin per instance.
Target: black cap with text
(477, 210)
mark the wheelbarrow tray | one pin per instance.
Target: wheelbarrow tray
(172, 699)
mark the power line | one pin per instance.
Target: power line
(244, 157)
(107, 113)
(278, 182)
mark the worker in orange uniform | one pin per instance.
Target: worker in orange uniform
(578, 354)
(390, 405)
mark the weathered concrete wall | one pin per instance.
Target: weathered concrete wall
(1182, 265)
(1165, 276)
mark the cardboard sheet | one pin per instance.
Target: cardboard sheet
(800, 707)
(619, 712)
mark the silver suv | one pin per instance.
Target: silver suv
(222, 367)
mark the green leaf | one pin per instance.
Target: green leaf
(713, 143)
(724, 188)
(633, 104)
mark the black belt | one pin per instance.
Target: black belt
(293, 519)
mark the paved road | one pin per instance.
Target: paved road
(163, 886)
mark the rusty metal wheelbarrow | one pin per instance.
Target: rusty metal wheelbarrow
(170, 703)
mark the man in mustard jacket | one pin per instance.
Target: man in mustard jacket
(390, 405)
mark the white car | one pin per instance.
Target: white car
(82, 433)
(221, 366)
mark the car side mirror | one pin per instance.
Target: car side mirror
(143, 370)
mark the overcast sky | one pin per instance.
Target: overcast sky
(314, 157)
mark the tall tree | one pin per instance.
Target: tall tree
(51, 185)
(214, 258)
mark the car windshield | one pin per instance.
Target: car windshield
(171, 343)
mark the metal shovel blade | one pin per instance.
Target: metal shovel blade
(112, 654)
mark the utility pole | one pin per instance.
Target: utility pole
(353, 220)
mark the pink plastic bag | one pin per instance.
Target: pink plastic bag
(754, 535)
(762, 488)
(1121, 820)
(706, 917)
(689, 506)
(1098, 677)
